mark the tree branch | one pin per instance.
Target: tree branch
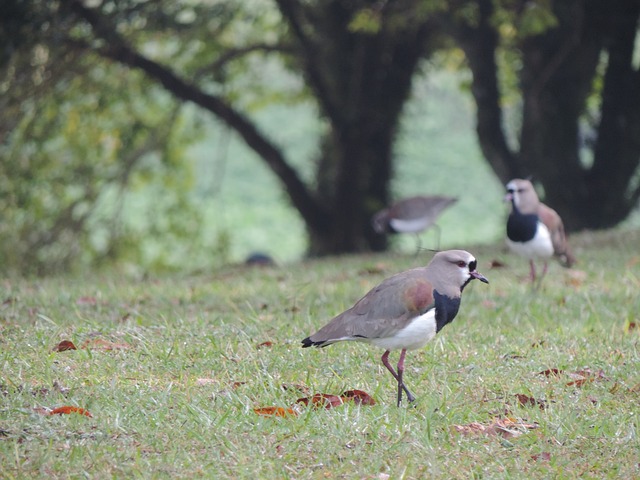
(116, 49)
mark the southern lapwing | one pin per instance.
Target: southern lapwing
(405, 311)
(412, 215)
(534, 230)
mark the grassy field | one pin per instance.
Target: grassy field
(171, 370)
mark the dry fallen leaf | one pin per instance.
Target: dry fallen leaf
(542, 457)
(266, 344)
(275, 411)
(64, 410)
(64, 345)
(359, 397)
(102, 344)
(576, 277)
(505, 427)
(322, 400)
(326, 400)
(496, 264)
(526, 401)
(551, 372)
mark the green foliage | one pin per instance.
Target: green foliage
(175, 396)
(70, 158)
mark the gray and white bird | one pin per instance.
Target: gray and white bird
(534, 230)
(405, 311)
(411, 215)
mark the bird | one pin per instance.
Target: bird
(411, 215)
(405, 311)
(534, 230)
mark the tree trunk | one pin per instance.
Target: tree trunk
(559, 67)
(361, 80)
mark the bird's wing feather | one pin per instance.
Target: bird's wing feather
(383, 311)
(553, 222)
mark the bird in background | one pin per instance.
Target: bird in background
(412, 215)
(534, 230)
(405, 311)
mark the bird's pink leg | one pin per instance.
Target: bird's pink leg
(532, 271)
(398, 375)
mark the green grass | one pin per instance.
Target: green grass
(155, 417)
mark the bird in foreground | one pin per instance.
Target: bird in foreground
(405, 311)
(412, 215)
(534, 230)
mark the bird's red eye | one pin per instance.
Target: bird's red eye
(462, 264)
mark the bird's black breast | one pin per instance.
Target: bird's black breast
(521, 228)
(446, 309)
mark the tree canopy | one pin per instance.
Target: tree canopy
(94, 87)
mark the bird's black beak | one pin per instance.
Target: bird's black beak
(478, 276)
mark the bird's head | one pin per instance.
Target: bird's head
(522, 195)
(456, 268)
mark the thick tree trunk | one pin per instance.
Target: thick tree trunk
(557, 76)
(361, 80)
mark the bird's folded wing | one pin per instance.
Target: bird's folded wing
(387, 308)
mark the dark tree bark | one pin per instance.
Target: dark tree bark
(557, 76)
(361, 81)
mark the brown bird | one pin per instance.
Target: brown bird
(534, 230)
(412, 215)
(405, 311)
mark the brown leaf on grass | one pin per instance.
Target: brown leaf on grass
(275, 411)
(266, 344)
(579, 382)
(64, 410)
(635, 388)
(326, 400)
(576, 278)
(504, 427)
(585, 376)
(322, 400)
(632, 325)
(64, 345)
(358, 397)
(541, 457)
(376, 269)
(527, 401)
(9, 301)
(496, 264)
(102, 344)
(551, 372)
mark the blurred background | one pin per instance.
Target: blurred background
(186, 135)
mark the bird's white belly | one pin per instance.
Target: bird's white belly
(539, 246)
(414, 225)
(415, 335)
